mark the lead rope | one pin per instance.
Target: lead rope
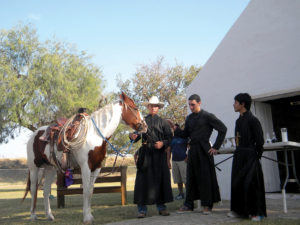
(118, 151)
(114, 168)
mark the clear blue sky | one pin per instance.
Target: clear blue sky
(120, 35)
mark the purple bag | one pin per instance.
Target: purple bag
(68, 178)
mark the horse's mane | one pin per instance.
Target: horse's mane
(102, 110)
(104, 114)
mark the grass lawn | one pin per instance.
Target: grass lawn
(105, 207)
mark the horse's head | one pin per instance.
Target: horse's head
(131, 115)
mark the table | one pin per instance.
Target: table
(278, 146)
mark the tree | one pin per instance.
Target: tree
(168, 83)
(40, 82)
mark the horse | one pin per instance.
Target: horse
(88, 155)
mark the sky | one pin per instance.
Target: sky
(120, 35)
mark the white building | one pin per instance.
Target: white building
(260, 55)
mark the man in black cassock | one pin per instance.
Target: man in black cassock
(247, 182)
(201, 175)
(153, 181)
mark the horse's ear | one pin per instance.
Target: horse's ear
(123, 96)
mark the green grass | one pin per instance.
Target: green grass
(106, 208)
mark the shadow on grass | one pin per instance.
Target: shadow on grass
(13, 175)
(106, 208)
(12, 190)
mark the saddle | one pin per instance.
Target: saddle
(70, 131)
(52, 131)
(53, 135)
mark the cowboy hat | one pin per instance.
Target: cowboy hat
(154, 101)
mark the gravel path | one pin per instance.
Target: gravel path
(219, 214)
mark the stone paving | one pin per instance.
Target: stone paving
(219, 214)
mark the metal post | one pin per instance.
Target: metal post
(199, 205)
(285, 182)
(294, 168)
(284, 201)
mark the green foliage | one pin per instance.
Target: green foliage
(40, 82)
(168, 83)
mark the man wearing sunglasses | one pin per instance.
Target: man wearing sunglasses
(201, 175)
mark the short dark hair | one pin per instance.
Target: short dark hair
(81, 110)
(244, 98)
(195, 97)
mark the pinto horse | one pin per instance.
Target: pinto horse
(88, 156)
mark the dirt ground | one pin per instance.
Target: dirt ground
(219, 215)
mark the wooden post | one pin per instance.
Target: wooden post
(123, 184)
(60, 186)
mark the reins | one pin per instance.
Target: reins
(117, 151)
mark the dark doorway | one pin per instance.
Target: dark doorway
(286, 113)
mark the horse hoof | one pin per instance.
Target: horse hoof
(88, 219)
(33, 217)
(88, 222)
(50, 217)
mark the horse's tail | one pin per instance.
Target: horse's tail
(27, 186)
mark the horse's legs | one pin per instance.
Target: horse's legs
(49, 177)
(94, 176)
(87, 193)
(33, 191)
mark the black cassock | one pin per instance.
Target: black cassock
(247, 182)
(153, 181)
(201, 175)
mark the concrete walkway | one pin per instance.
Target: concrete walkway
(219, 214)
